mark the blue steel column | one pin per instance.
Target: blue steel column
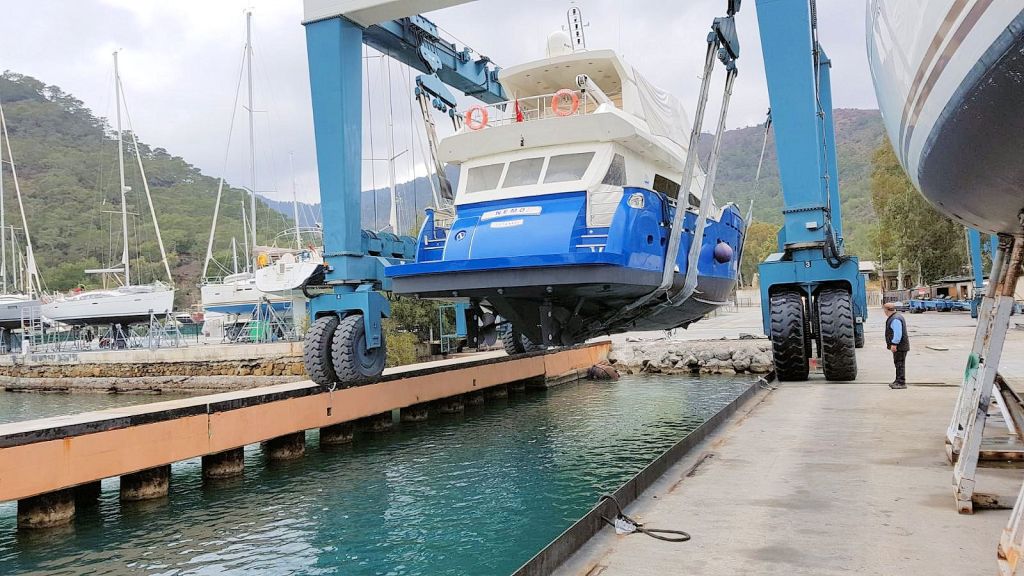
(785, 28)
(828, 125)
(334, 48)
(974, 242)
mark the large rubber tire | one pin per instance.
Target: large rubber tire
(354, 363)
(316, 352)
(515, 342)
(787, 334)
(838, 340)
(858, 335)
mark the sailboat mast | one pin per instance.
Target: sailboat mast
(245, 235)
(295, 203)
(3, 223)
(234, 254)
(33, 274)
(393, 213)
(120, 169)
(252, 137)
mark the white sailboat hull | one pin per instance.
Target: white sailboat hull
(11, 309)
(238, 295)
(127, 305)
(285, 277)
(947, 80)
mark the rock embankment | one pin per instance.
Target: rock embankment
(693, 356)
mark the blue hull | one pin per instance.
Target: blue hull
(532, 259)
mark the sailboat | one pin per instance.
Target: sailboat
(292, 268)
(237, 294)
(15, 299)
(128, 303)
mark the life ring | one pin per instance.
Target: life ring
(556, 101)
(472, 122)
(262, 259)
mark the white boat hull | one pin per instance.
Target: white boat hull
(123, 306)
(283, 278)
(947, 77)
(238, 296)
(11, 310)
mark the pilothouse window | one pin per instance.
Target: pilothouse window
(666, 186)
(484, 177)
(523, 172)
(568, 167)
(616, 175)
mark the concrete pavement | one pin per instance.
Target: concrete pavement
(825, 478)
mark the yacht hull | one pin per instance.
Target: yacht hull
(948, 85)
(11, 311)
(110, 307)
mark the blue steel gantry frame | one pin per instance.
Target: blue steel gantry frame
(810, 253)
(355, 260)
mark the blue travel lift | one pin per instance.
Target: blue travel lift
(345, 343)
(813, 298)
(974, 247)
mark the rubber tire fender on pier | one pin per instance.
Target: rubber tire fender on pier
(354, 363)
(316, 352)
(838, 335)
(789, 350)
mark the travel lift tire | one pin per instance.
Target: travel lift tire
(354, 363)
(789, 350)
(515, 342)
(858, 335)
(838, 334)
(316, 352)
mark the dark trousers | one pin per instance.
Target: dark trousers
(899, 358)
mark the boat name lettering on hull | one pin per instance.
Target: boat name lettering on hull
(519, 211)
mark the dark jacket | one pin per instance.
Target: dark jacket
(904, 343)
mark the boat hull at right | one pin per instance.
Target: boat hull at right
(950, 85)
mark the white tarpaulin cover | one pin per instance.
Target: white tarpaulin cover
(664, 113)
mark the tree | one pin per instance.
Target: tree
(760, 240)
(909, 231)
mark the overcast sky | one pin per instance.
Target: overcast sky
(180, 65)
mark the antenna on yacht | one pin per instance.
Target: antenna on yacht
(576, 25)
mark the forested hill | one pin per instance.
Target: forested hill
(66, 159)
(858, 135)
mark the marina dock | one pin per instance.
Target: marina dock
(826, 478)
(139, 443)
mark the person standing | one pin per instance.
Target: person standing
(897, 340)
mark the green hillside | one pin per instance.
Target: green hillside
(858, 135)
(67, 166)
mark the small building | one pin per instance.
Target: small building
(956, 287)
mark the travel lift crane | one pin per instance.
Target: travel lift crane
(345, 342)
(811, 292)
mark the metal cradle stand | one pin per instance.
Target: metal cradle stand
(982, 388)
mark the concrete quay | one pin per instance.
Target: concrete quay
(825, 478)
(195, 368)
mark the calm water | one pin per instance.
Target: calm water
(478, 493)
(17, 406)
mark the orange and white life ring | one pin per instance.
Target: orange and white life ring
(558, 98)
(473, 122)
